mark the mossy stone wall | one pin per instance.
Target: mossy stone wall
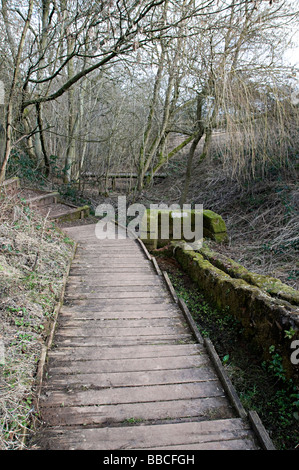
(267, 321)
(269, 284)
(213, 227)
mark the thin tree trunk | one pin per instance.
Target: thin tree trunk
(165, 158)
(146, 137)
(39, 141)
(196, 140)
(42, 139)
(189, 167)
(9, 111)
(71, 148)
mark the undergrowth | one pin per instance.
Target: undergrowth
(33, 259)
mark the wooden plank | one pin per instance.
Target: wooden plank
(118, 248)
(120, 413)
(199, 434)
(93, 379)
(157, 269)
(118, 315)
(103, 270)
(99, 248)
(190, 321)
(111, 277)
(260, 431)
(142, 394)
(117, 257)
(61, 364)
(119, 263)
(111, 283)
(100, 304)
(122, 290)
(122, 332)
(170, 287)
(122, 323)
(230, 390)
(111, 295)
(105, 341)
(189, 352)
(118, 285)
(120, 311)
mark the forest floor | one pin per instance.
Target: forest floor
(34, 256)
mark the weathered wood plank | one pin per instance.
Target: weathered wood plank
(120, 263)
(77, 281)
(119, 311)
(116, 395)
(65, 332)
(188, 352)
(136, 412)
(111, 277)
(149, 294)
(260, 431)
(214, 434)
(93, 379)
(101, 304)
(63, 365)
(122, 323)
(128, 340)
(121, 271)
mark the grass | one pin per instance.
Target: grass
(33, 260)
(261, 386)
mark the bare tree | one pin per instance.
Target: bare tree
(11, 95)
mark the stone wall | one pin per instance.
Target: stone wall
(213, 226)
(267, 319)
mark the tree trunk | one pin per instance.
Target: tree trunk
(71, 148)
(39, 141)
(42, 139)
(9, 116)
(189, 167)
(196, 140)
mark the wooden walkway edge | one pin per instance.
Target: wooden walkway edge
(128, 368)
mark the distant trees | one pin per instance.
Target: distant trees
(107, 84)
(66, 41)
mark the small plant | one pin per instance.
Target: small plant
(289, 333)
(225, 359)
(275, 364)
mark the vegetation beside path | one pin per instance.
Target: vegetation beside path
(34, 256)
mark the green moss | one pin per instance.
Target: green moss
(213, 225)
(213, 222)
(270, 285)
(76, 214)
(264, 319)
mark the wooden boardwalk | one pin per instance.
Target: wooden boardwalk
(126, 371)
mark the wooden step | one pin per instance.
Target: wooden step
(124, 353)
(228, 434)
(43, 200)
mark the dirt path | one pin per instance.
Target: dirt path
(125, 371)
